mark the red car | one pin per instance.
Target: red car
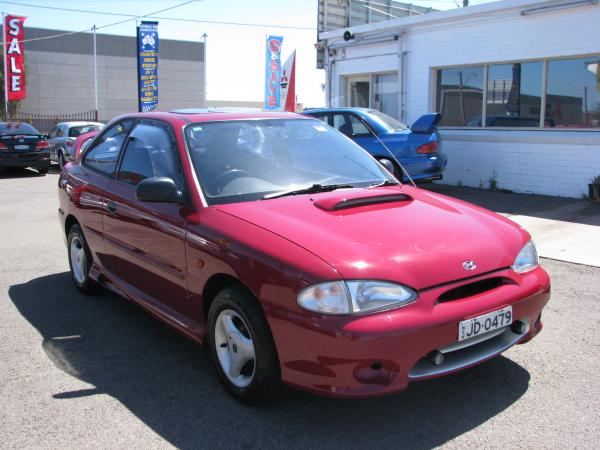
(294, 255)
(81, 143)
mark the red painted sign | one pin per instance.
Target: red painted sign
(14, 64)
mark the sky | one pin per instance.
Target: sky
(235, 54)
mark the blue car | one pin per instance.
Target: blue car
(418, 148)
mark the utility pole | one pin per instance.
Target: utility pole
(204, 99)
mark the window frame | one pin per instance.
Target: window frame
(98, 138)
(543, 93)
(171, 132)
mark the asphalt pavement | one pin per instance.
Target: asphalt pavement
(81, 372)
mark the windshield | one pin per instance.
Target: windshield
(247, 159)
(388, 122)
(81, 129)
(17, 128)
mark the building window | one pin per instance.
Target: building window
(515, 97)
(573, 93)
(460, 95)
(377, 91)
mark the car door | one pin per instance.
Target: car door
(52, 142)
(95, 172)
(145, 242)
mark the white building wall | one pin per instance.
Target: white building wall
(552, 162)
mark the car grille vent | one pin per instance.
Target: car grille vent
(470, 289)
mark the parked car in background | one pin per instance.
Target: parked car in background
(21, 145)
(81, 143)
(294, 254)
(418, 148)
(510, 121)
(61, 139)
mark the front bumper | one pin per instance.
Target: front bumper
(381, 353)
(38, 159)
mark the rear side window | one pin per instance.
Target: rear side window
(150, 152)
(104, 155)
(76, 131)
(350, 125)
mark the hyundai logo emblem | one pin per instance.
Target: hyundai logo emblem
(469, 265)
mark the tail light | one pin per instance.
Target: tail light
(3, 147)
(70, 143)
(427, 149)
(41, 145)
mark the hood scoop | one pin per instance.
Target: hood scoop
(339, 200)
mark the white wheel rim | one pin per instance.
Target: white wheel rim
(78, 259)
(235, 348)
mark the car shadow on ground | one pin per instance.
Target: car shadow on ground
(542, 206)
(18, 173)
(169, 383)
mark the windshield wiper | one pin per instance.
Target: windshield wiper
(315, 188)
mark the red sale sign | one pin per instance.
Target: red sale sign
(14, 62)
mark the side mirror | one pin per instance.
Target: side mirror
(426, 124)
(160, 189)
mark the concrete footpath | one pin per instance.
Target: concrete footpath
(565, 229)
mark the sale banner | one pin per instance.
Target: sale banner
(273, 73)
(288, 84)
(147, 55)
(14, 59)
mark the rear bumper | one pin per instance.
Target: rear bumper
(426, 168)
(38, 160)
(381, 353)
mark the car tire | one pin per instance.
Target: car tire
(61, 160)
(242, 348)
(80, 261)
(42, 171)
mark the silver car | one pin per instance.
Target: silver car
(62, 138)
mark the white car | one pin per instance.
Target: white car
(62, 138)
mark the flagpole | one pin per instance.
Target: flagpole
(5, 68)
(95, 76)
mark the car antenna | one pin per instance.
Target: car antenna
(390, 152)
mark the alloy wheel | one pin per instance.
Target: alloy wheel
(235, 348)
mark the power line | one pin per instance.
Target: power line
(152, 16)
(103, 26)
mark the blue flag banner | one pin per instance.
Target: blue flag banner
(147, 54)
(273, 72)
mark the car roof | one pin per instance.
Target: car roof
(201, 115)
(79, 123)
(341, 109)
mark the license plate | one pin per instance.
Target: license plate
(485, 323)
(21, 147)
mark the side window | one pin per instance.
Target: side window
(358, 128)
(62, 131)
(104, 155)
(150, 152)
(53, 132)
(350, 125)
(323, 117)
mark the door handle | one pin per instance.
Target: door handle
(111, 207)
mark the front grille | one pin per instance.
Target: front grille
(474, 288)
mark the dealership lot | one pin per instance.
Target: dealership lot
(96, 371)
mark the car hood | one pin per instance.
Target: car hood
(401, 234)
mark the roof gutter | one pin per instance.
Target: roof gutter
(451, 15)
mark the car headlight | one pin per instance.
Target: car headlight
(354, 297)
(527, 259)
